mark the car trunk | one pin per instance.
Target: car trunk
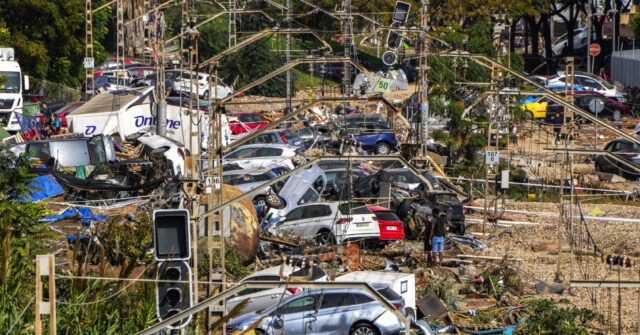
(390, 225)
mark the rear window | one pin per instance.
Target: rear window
(387, 216)
(390, 294)
(448, 199)
(354, 208)
(362, 299)
(289, 134)
(317, 273)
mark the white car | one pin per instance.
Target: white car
(262, 156)
(329, 221)
(306, 186)
(172, 150)
(580, 40)
(591, 83)
(182, 84)
(260, 298)
(247, 180)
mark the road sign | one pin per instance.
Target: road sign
(596, 105)
(382, 85)
(88, 63)
(594, 49)
(492, 157)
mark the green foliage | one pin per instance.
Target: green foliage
(123, 238)
(21, 239)
(635, 25)
(49, 36)
(547, 318)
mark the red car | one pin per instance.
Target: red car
(62, 113)
(390, 225)
(243, 122)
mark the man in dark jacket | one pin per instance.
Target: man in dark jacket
(426, 230)
(558, 121)
(438, 234)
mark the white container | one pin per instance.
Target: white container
(403, 283)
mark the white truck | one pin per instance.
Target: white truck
(11, 89)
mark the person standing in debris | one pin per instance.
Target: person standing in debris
(438, 234)
(557, 127)
(426, 230)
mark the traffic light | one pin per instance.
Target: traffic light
(172, 248)
(174, 293)
(394, 38)
(171, 237)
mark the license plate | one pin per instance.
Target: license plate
(362, 225)
(296, 143)
(392, 228)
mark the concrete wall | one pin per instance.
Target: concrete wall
(54, 91)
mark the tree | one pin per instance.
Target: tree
(49, 36)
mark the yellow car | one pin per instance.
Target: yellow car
(537, 108)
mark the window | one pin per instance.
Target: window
(390, 294)
(264, 138)
(40, 150)
(318, 185)
(588, 82)
(309, 196)
(305, 132)
(12, 85)
(295, 214)
(448, 199)
(256, 118)
(289, 134)
(333, 300)
(387, 216)
(334, 174)
(316, 211)
(242, 153)
(361, 298)
(244, 118)
(303, 304)
(268, 152)
(354, 208)
(97, 152)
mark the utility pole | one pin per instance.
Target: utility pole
(88, 51)
(288, 55)
(233, 39)
(424, 80)
(347, 30)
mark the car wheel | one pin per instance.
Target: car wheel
(299, 160)
(616, 116)
(275, 201)
(260, 200)
(363, 328)
(205, 95)
(528, 115)
(259, 332)
(409, 313)
(383, 148)
(325, 237)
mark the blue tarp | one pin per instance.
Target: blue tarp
(44, 187)
(86, 214)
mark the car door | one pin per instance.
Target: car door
(335, 313)
(606, 163)
(368, 136)
(297, 316)
(268, 157)
(619, 150)
(315, 218)
(291, 222)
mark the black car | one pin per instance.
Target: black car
(610, 110)
(624, 150)
(337, 178)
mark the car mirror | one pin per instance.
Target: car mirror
(277, 322)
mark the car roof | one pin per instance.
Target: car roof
(249, 171)
(380, 209)
(275, 270)
(267, 145)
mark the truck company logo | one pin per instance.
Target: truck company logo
(90, 130)
(142, 121)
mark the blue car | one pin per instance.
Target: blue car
(279, 136)
(373, 137)
(556, 89)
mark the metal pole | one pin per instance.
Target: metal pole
(288, 53)
(424, 96)
(589, 29)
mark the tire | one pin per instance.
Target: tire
(363, 328)
(275, 201)
(299, 160)
(325, 237)
(598, 167)
(410, 314)
(205, 95)
(383, 148)
(528, 115)
(260, 200)
(616, 116)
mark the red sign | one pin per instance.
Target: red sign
(594, 49)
